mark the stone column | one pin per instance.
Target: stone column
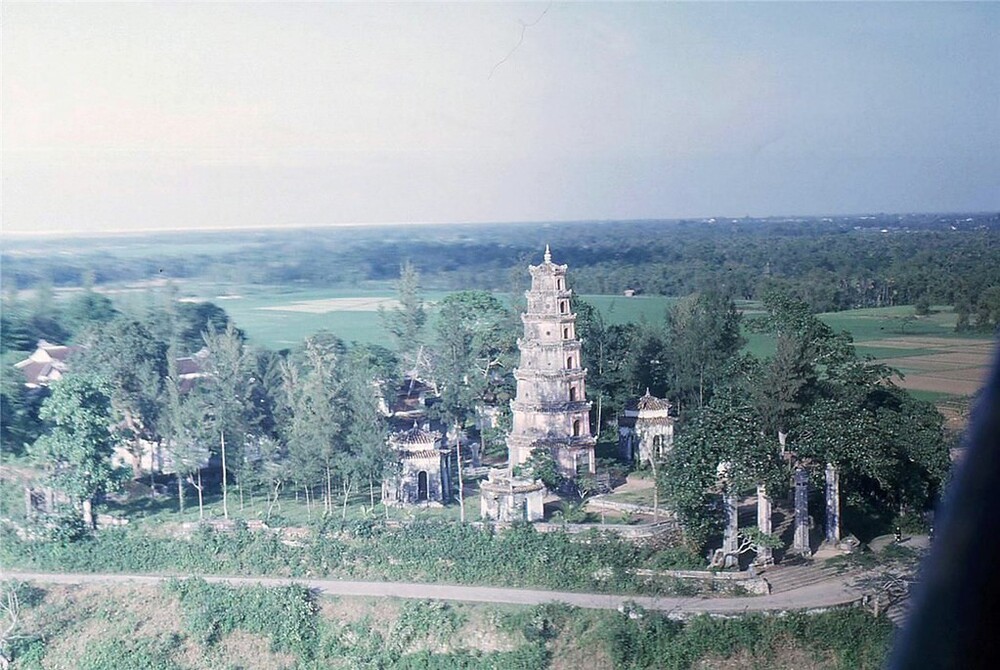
(800, 545)
(730, 537)
(832, 504)
(764, 556)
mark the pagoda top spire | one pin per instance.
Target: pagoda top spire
(548, 254)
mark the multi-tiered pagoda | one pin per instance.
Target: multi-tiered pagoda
(551, 409)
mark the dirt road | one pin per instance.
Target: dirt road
(816, 596)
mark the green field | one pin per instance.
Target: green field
(258, 310)
(280, 317)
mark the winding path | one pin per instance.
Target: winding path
(826, 594)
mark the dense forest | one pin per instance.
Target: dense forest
(830, 263)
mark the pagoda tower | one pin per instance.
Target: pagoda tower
(551, 409)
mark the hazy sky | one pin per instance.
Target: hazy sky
(130, 116)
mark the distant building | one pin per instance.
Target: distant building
(424, 474)
(645, 429)
(46, 365)
(191, 368)
(50, 362)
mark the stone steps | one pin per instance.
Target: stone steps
(899, 612)
(784, 578)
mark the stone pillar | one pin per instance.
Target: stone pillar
(800, 545)
(832, 504)
(764, 556)
(730, 537)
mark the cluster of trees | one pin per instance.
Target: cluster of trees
(309, 418)
(682, 358)
(814, 405)
(306, 417)
(831, 264)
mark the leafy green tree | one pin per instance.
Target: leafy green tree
(542, 465)
(76, 451)
(15, 334)
(782, 385)
(988, 309)
(889, 447)
(315, 389)
(44, 318)
(229, 395)
(88, 309)
(196, 319)
(135, 363)
(703, 335)
(405, 322)
(727, 430)
(193, 437)
(651, 364)
(19, 406)
(608, 353)
(473, 351)
(368, 371)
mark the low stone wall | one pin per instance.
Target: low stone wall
(750, 582)
(601, 502)
(669, 529)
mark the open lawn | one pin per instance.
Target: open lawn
(290, 509)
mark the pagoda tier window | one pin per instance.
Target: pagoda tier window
(576, 428)
(563, 307)
(572, 394)
(569, 362)
(566, 333)
(559, 284)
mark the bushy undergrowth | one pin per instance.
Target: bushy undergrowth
(431, 635)
(852, 637)
(286, 614)
(127, 654)
(422, 551)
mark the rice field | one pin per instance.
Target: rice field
(933, 360)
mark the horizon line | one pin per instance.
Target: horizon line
(118, 232)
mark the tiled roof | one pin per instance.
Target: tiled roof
(648, 402)
(415, 435)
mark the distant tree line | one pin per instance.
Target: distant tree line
(830, 264)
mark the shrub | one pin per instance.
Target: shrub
(286, 614)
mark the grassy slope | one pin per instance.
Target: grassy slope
(104, 627)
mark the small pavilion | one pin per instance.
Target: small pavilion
(645, 429)
(424, 475)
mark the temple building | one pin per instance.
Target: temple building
(505, 498)
(424, 475)
(550, 410)
(645, 429)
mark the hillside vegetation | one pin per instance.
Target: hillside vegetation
(194, 625)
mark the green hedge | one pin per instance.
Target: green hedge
(430, 551)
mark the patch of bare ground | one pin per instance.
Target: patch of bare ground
(253, 652)
(381, 612)
(787, 656)
(569, 654)
(634, 483)
(481, 632)
(940, 385)
(72, 617)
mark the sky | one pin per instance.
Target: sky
(125, 117)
